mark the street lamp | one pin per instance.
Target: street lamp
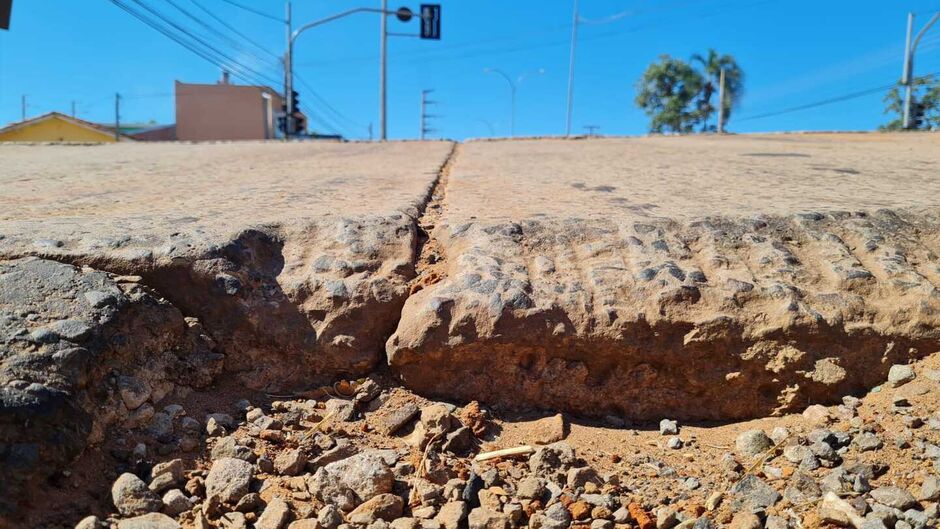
(512, 88)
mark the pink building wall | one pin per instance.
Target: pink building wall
(225, 112)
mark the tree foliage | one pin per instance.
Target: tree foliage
(667, 93)
(677, 97)
(926, 91)
(712, 64)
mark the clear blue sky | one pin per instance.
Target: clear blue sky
(793, 52)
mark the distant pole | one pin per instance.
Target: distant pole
(73, 108)
(910, 49)
(512, 97)
(23, 108)
(592, 129)
(383, 58)
(906, 75)
(370, 131)
(117, 117)
(288, 76)
(424, 96)
(574, 43)
(424, 113)
(721, 102)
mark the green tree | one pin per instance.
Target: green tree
(667, 93)
(712, 64)
(926, 92)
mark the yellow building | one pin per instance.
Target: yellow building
(58, 127)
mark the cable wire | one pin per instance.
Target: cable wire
(234, 30)
(831, 100)
(255, 11)
(233, 63)
(231, 41)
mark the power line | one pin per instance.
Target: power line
(198, 39)
(195, 44)
(255, 11)
(326, 105)
(829, 101)
(440, 53)
(236, 44)
(234, 30)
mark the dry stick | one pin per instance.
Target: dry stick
(719, 447)
(767, 453)
(316, 426)
(424, 456)
(516, 451)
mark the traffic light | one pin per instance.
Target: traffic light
(295, 100)
(300, 124)
(918, 111)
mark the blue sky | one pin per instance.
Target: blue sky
(793, 52)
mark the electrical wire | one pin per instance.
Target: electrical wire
(233, 63)
(829, 101)
(234, 30)
(231, 41)
(255, 11)
(326, 105)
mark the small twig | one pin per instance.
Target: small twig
(719, 447)
(424, 456)
(767, 453)
(515, 451)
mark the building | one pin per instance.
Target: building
(226, 111)
(58, 127)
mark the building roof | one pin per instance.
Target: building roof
(104, 129)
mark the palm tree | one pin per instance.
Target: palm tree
(712, 65)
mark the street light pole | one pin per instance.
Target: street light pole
(907, 78)
(513, 86)
(383, 58)
(289, 76)
(574, 44)
(512, 101)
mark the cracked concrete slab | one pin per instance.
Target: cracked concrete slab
(694, 277)
(294, 256)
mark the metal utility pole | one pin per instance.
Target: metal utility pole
(513, 85)
(907, 77)
(721, 102)
(512, 101)
(117, 117)
(383, 58)
(370, 131)
(288, 76)
(574, 43)
(73, 108)
(592, 129)
(424, 113)
(23, 107)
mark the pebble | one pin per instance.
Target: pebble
(894, 497)
(900, 374)
(153, 520)
(229, 479)
(131, 496)
(275, 515)
(668, 427)
(752, 443)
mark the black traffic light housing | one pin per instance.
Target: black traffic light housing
(918, 111)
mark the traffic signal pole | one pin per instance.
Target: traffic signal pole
(289, 77)
(403, 14)
(383, 61)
